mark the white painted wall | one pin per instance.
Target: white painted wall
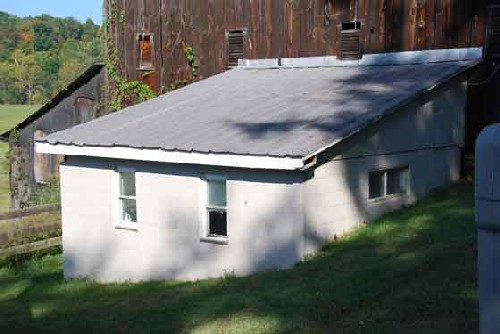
(264, 223)
(426, 136)
(274, 217)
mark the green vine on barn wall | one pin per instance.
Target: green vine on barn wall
(125, 92)
(193, 65)
(128, 92)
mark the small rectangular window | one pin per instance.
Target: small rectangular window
(356, 25)
(145, 50)
(215, 210)
(388, 182)
(127, 197)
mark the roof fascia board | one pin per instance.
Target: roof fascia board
(157, 155)
(378, 59)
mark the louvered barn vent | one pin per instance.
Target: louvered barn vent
(494, 32)
(235, 41)
(350, 41)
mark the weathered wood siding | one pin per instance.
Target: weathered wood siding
(297, 28)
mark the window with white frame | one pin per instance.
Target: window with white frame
(127, 197)
(388, 182)
(215, 209)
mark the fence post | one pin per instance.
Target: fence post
(488, 225)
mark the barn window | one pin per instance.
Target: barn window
(235, 46)
(84, 109)
(127, 198)
(145, 51)
(388, 182)
(214, 220)
(350, 41)
(492, 45)
(41, 162)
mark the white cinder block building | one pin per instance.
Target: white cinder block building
(254, 168)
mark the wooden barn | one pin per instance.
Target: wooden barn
(80, 102)
(150, 36)
(150, 40)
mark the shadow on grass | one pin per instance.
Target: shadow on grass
(410, 271)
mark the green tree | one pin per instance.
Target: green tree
(9, 35)
(43, 54)
(27, 74)
(9, 94)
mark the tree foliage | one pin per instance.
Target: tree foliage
(41, 55)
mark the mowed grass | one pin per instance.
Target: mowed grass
(411, 271)
(10, 115)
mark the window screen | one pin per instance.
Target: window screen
(217, 223)
(377, 184)
(396, 181)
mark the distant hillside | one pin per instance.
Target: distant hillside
(40, 55)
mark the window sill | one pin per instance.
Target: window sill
(388, 198)
(215, 240)
(127, 226)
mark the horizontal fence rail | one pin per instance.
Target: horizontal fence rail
(31, 247)
(30, 230)
(29, 211)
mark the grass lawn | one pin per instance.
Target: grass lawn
(10, 115)
(411, 271)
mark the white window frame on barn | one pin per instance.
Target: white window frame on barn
(120, 197)
(206, 207)
(386, 178)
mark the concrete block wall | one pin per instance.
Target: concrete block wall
(426, 136)
(264, 223)
(274, 217)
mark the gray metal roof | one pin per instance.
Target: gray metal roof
(265, 112)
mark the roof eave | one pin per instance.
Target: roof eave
(175, 157)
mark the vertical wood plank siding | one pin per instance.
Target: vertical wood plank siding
(284, 29)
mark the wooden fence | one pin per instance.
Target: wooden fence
(31, 229)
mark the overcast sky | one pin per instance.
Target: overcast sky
(79, 9)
